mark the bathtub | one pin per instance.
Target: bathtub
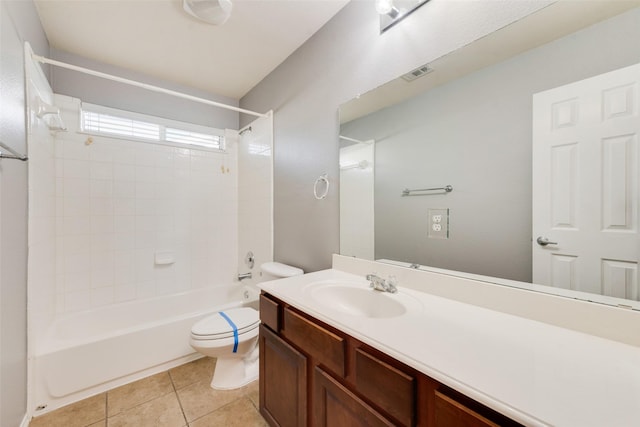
(88, 352)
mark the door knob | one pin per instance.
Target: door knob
(543, 241)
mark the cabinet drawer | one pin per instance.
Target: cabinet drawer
(270, 313)
(391, 389)
(451, 413)
(455, 409)
(323, 345)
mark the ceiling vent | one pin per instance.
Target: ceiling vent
(418, 72)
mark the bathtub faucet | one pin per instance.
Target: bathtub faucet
(244, 276)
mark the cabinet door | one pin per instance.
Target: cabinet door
(334, 405)
(283, 382)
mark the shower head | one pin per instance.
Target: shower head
(215, 12)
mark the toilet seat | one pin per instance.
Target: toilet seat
(217, 327)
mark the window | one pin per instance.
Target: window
(104, 121)
(107, 124)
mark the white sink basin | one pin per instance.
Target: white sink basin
(357, 299)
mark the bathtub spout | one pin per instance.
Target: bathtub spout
(244, 276)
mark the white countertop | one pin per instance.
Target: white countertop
(532, 372)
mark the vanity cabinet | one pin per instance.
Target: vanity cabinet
(312, 374)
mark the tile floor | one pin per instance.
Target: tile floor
(179, 397)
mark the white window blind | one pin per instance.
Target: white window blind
(194, 138)
(104, 121)
(107, 124)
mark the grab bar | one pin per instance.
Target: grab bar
(406, 192)
(16, 155)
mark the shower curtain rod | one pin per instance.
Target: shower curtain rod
(346, 138)
(44, 60)
(16, 155)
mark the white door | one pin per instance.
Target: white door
(585, 185)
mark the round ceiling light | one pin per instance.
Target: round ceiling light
(214, 12)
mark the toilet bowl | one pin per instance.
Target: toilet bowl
(231, 336)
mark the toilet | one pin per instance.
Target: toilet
(231, 336)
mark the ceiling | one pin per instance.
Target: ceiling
(159, 39)
(552, 22)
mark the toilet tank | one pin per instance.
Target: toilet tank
(268, 271)
(276, 270)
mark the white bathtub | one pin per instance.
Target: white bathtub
(89, 352)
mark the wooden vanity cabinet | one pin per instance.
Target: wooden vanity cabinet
(312, 374)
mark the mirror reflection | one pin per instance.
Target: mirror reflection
(535, 129)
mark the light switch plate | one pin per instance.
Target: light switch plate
(438, 219)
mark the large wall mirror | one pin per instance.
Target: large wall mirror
(535, 130)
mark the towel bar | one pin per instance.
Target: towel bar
(407, 192)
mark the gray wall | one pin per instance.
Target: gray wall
(117, 95)
(346, 57)
(19, 23)
(475, 134)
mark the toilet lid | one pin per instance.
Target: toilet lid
(277, 269)
(216, 325)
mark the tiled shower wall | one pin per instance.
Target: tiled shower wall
(121, 204)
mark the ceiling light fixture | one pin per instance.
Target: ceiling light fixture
(386, 7)
(215, 12)
(393, 11)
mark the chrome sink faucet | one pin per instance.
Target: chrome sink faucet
(379, 284)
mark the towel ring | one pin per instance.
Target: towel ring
(321, 179)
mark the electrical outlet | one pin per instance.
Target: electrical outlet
(438, 223)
